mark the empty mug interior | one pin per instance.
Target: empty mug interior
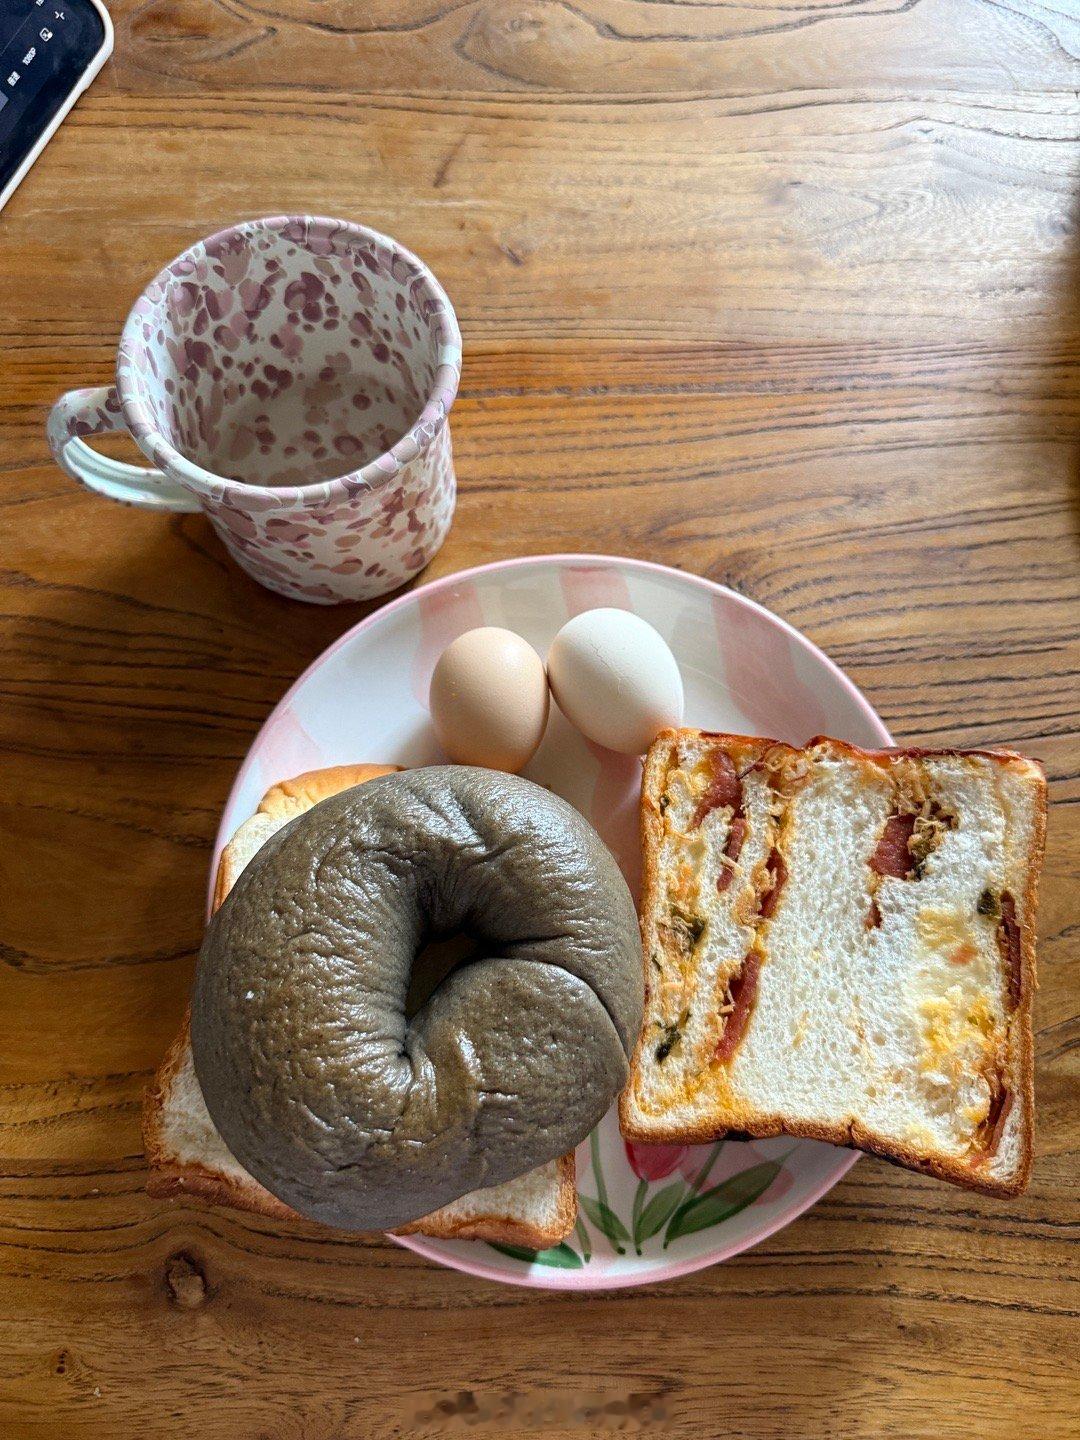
(287, 352)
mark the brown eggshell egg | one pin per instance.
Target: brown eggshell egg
(489, 699)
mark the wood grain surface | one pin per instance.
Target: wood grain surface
(786, 294)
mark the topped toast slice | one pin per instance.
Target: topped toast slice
(839, 945)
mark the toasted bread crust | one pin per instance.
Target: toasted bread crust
(1029, 983)
(1019, 1060)
(507, 1230)
(851, 1137)
(169, 1178)
(290, 797)
(168, 1181)
(232, 861)
(918, 752)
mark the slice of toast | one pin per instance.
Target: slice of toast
(839, 945)
(187, 1155)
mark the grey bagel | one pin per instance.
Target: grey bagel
(318, 1083)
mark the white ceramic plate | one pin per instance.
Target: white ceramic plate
(648, 1212)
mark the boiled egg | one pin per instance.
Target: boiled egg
(489, 699)
(614, 677)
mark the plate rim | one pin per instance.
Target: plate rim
(424, 1245)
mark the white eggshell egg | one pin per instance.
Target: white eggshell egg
(614, 677)
(489, 699)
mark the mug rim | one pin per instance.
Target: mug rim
(381, 470)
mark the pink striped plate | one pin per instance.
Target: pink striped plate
(648, 1213)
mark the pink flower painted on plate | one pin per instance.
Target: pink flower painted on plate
(654, 1162)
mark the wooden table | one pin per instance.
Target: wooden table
(787, 295)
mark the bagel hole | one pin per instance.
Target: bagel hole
(437, 958)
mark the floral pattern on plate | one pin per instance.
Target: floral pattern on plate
(648, 1213)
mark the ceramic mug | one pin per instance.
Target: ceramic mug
(291, 378)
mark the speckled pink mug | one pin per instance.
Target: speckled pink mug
(292, 378)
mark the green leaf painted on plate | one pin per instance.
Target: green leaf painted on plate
(635, 1214)
(561, 1256)
(606, 1221)
(583, 1239)
(658, 1211)
(722, 1201)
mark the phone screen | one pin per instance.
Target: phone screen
(45, 48)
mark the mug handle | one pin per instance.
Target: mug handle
(97, 412)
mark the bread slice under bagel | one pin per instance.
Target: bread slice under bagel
(839, 945)
(187, 1156)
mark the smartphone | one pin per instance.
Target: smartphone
(50, 50)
